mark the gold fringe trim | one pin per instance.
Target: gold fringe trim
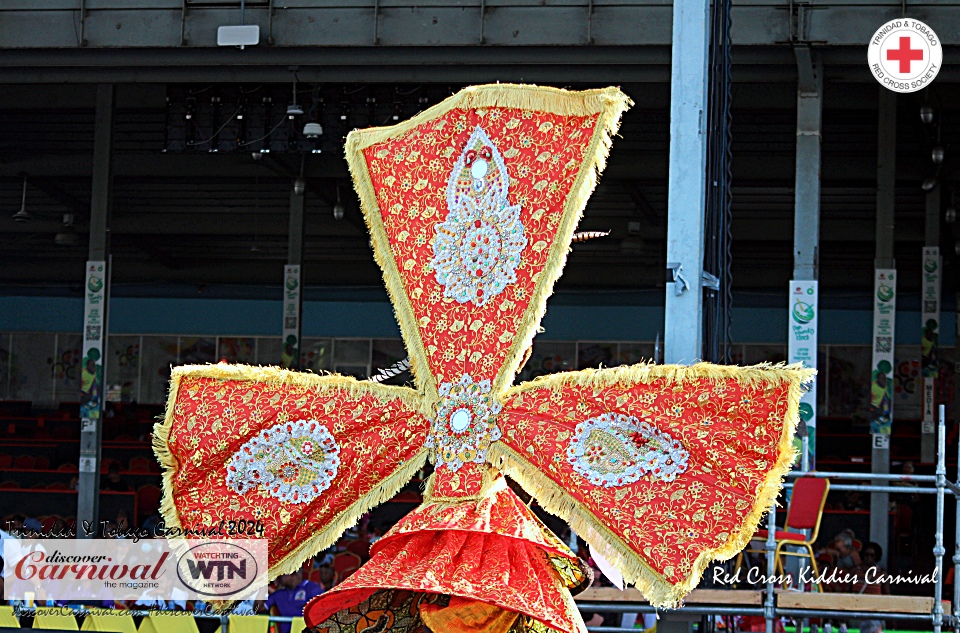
(608, 103)
(381, 493)
(644, 373)
(556, 500)
(275, 376)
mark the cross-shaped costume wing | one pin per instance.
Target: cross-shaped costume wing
(471, 206)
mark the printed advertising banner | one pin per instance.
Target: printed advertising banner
(91, 372)
(290, 356)
(930, 334)
(881, 375)
(37, 570)
(802, 348)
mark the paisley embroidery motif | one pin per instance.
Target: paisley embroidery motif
(477, 247)
(615, 450)
(466, 423)
(292, 461)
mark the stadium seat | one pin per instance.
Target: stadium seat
(52, 618)
(116, 622)
(139, 465)
(344, 564)
(7, 619)
(248, 624)
(803, 513)
(41, 463)
(24, 461)
(148, 501)
(5, 460)
(70, 468)
(9, 484)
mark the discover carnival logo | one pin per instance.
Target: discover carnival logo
(110, 569)
(905, 55)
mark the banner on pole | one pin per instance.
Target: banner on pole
(290, 355)
(930, 313)
(930, 334)
(94, 317)
(881, 376)
(802, 348)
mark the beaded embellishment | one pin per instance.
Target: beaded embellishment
(477, 247)
(466, 423)
(292, 461)
(615, 450)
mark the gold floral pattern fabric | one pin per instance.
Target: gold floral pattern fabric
(733, 433)
(217, 410)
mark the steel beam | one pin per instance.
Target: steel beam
(686, 190)
(886, 198)
(88, 494)
(806, 219)
(480, 23)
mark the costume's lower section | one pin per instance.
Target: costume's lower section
(503, 575)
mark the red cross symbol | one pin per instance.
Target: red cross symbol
(905, 54)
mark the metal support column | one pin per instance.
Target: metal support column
(938, 549)
(806, 236)
(930, 294)
(292, 296)
(95, 312)
(683, 331)
(886, 190)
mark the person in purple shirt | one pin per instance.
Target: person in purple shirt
(293, 592)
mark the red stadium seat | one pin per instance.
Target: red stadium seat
(5, 460)
(344, 564)
(41, 463)
(148, 501)
(24, 461)
(139, 465)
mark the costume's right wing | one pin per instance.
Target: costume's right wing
(662, 469)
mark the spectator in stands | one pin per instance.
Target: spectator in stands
(291, 596)
(840, 554)
(113, 481)
(870, 558)
(15, 523)
(868, 569)
(32, 527)
(326, 577)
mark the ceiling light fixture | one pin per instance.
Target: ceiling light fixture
(937, 154)
(929, 184)
(312, 130)
(926, 113)
(67, 236)
(23, 215)
(294, 108)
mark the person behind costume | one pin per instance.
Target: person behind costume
(292, 595)
(866, 572)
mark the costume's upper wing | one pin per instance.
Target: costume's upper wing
(661, 468)
(471, 206)
(304, 456)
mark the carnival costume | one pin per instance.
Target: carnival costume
(471, 206)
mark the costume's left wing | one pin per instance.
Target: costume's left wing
(663, 469)
(303, 456)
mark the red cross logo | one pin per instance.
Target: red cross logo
(905, 54)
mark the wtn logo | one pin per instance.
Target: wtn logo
(224, 568)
